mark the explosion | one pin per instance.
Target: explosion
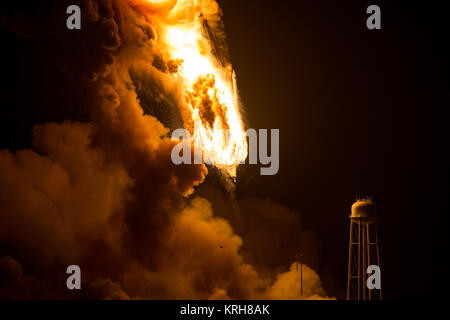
(99, 190)
(209, 87)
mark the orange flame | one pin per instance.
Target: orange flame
(209, 86)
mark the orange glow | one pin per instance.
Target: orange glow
(209, 88)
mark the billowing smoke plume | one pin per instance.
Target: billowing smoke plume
(102, 192)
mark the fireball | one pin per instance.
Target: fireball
(208, 85)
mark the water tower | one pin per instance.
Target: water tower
(363, 250)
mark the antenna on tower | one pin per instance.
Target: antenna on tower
(299, 260)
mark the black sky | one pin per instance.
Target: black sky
(354, 108)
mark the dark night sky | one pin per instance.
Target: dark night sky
(354, 108)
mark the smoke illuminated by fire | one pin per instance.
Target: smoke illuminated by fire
(99, 190)
(209, 86)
